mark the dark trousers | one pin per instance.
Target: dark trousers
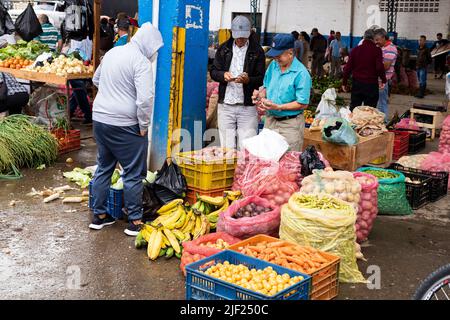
(126, 146)
(364, 94)
(317, 64)
(80, 98)
(15, 103)
(440, 64)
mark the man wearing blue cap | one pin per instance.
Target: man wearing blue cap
(287, 85)
(239, 67)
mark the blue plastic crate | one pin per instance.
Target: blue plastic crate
(114, 204)
(200, 286)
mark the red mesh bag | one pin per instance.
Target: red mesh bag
(368, 205)
(266, 223)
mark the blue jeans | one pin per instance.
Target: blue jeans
(79, 98)
(126, 146)
(383, 101)
(422, 75)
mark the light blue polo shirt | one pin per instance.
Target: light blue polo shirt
(292, 85)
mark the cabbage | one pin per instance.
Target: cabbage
(151, 177)
(118, 185)
(79, 178)
(115, 177)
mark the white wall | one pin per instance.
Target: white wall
(287, 15)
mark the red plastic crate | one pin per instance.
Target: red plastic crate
(67, 140)
(401, 144)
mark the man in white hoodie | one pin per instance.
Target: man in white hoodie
(121, 114)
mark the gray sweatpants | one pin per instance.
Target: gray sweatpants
(126, 146)
(236, 121)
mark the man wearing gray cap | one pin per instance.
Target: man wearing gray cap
(239, 67)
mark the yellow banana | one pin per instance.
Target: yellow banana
(173, 218)
(146, 232)
(187, 236)
(204, 226)
(167, 208)
(165, 241)
(215, 201)
(151, 242)
(191, 224)
(173, 240)
(198, 225)
(156, 247)
(178, 234)
(186, 221)
(232, 195)
(181, 220)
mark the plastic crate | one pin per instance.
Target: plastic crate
(439, 180)
(114, 203)
(68, 141)
(191, 195)
(325, 281)
(401, 144)
(200, 286)
(417, 140)
(206, 175)
(418, 194)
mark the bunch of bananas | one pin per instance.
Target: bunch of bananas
(213, 206)
(176, 223)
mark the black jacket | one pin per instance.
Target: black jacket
(254, 66)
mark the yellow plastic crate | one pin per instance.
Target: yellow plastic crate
(206, 175)
(379, 160)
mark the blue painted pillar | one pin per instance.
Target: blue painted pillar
(145, 9)
(194, 16)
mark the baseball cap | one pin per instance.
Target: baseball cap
(240, 27)
(281, 43)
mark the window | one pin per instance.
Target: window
(430, 6)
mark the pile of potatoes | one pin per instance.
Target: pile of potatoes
(251, 210)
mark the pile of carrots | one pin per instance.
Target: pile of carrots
(15, 63)
(303, 259)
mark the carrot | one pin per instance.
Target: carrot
(255, 248)
(288, 251)
(318, 258)
(297, 260)
(277, 244)
(272, 256)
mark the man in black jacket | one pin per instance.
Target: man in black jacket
(239, 67)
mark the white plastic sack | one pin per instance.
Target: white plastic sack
(345, 113)
(48, 104)
(268, 145)
(327, 106)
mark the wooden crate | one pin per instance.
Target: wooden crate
(438, 120)
(350, 158)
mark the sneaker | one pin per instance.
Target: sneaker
(133, 229)
(98, 224)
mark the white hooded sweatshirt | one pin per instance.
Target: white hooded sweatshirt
(125, 81)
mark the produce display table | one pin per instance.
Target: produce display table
(49, 79)
(350, 158)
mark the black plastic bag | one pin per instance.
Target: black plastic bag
(170, 183)
(6, 23)
(310, 160)
(28, 25)
(150, 203)
(79, 20)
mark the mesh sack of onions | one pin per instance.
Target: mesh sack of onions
(368, 205)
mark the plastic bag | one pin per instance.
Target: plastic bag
(437, 162)
(28, 25)
(170, 183)
(266, 223)
(391, 193)
(150, 203)
(444, 139)
(310, 160)
(339, 131)
(48, 104)
(267, 180)
(79, 20)
(330, 230)
(407, 123)
(368, 205)
(327, 105)
(257, 145)
(340, 184)
(345, 113)
(6, 23)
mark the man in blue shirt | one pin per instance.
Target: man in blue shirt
(336, 46)
(123, 25)
(286, 92)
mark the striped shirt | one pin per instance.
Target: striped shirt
(49, 36)
(390, 54)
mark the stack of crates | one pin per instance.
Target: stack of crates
(204, 177)
(401, 144)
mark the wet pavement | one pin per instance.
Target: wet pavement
(48, 252)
